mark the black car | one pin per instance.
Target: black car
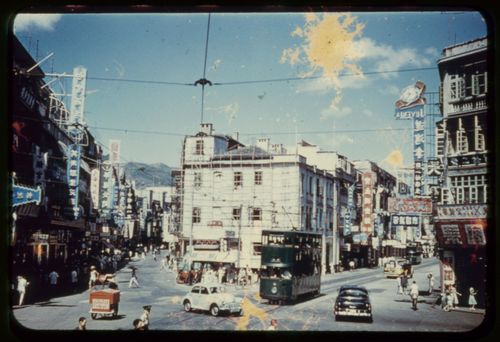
(353, 301)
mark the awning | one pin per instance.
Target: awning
(27, 210)
(219, 257)
(79, 224)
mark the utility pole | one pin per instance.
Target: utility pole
(239, 237)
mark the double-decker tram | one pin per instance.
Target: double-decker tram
(290, 265)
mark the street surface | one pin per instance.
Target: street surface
(391, 311)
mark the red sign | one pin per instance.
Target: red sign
(410, 205)
(215, 224)
(367, 223)
(462, 233)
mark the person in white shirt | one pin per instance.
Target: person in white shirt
(274, 325)
(414, 294)
(22, 283)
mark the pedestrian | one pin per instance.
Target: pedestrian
(351, 265)
(274, 324)
(414, 294)
(74, 279)
(93, 277)
(430, 278)
(53, 278)
(448, 299)
(22, 283)
(133, 279)
(472, 298)
(82, 324)
(400, 287)
(404, 283)
(138, 324)
(145, 316)
(454, 295)
(164, 263)
(220, 274)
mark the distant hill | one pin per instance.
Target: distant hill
(145, 175)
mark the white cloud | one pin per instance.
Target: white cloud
(388, 58)
(332, 112)
(216, 64)
(432, 51)
(390, 89)
(327, 84)
(119, 68)
(47, 22)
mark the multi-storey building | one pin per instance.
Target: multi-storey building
(48, 233)
(230, 192)
(463, 146)
(374, 187)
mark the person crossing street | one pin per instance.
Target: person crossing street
(414, 294)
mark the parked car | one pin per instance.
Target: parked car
(353, 301)
(212, 298)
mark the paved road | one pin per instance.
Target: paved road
(392, 312)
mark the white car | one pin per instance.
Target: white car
(212, 298)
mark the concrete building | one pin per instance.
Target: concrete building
(464, 149)
(231, 192)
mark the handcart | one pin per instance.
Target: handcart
(104, 302)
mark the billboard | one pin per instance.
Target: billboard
(410, 104)
(410, 205)
(462, 211)
(114, 152)
(460, 233)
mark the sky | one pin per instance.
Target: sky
(336, 75)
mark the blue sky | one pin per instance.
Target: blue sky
(248, 47)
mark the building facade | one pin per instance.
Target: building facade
(464, 150)
(231, 192)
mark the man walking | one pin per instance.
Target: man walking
(74, 279)
(133, 279)
(53, 277)
(414, 294)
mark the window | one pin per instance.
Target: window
(197, 180)
(236, 214)
(238, 179)
(256, 214)
(462, 141)
(258, 177)
(199, 147)
(479, 84)
(457, 87)
(196, 215)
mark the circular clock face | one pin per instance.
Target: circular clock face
(410, 94)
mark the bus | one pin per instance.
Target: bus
(290, 265)
(414, 253)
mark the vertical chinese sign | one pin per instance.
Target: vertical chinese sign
(367, 219)
(73, 174)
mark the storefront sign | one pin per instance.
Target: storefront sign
(114, 152)
(215, 224)
(461, 233)
(367, 220)
(95, 187)
(24, 195)
(410, 205)
(405, 220)
(73, 174)
(206, 244)
(434, 167)
(462, 211)
(347, 215)
(40, 238)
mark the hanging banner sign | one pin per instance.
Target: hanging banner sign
(367, 220)
(347, 215)
(95, 182)
(24, 195)
(418, 155)
(73, 174)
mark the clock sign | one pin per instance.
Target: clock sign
(411, 96)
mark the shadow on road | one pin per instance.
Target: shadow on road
(110, 318)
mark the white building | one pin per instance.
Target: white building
(231, 192)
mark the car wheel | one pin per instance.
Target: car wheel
(187, 306)
(370, 319)
(336, 318)
(93, 315)
(214, 310)
(240, 313)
